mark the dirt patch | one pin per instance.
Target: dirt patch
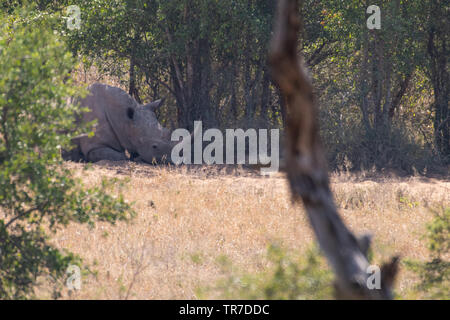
(197, 171)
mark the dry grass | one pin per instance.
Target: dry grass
(188, 218)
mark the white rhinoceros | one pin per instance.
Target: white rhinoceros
(122, 125)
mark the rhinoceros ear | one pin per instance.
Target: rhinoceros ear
(154, 105)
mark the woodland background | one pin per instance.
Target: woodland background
(383, 93)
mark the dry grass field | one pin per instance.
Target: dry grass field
(189, 217)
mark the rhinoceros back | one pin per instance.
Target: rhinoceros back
(107, 105)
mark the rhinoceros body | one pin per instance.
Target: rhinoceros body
(122, 125)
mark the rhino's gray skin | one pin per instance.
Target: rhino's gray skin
(122, 124)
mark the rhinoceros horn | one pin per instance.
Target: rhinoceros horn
(154, 105)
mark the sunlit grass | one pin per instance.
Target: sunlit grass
(190, 218)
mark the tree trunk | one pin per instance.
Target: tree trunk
(307, 171)
(437, 51)
(132, 72)
(265, 96)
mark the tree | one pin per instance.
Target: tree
(370, 81)
(307, 171)
(436, 24)
(38, 194)
(209, 58)
(193, 51)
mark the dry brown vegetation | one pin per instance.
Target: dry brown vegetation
(189, 218)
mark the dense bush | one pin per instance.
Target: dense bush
(38, 194)
(381, 99)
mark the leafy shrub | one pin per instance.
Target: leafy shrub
(288, 278)
(435, 274)
(38, 194)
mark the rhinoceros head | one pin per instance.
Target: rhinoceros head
(150, 140)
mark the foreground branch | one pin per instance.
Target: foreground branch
(307, 170)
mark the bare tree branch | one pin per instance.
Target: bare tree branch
(24, 213)
(307, 170)
(401, 92)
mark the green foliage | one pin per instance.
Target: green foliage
(209, 59)
(376, 88)
(287, 278)
(374, 93)
(435, 274)
(38, 194)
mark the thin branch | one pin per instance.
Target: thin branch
(24, 214)
(401, 92)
